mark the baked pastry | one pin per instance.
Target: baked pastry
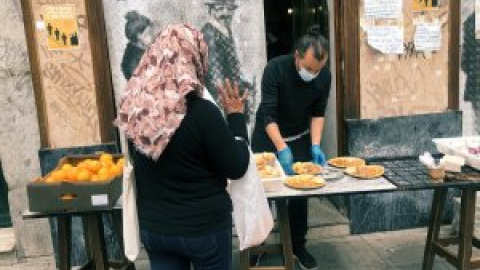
(366, 171)
(268, 172)
(304, 181)
(263, 159)
(306, 168)
(344, 162)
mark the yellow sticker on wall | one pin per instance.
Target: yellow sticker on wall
(61, 25)
(425, 5)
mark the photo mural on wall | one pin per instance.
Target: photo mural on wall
(469, 70)
(223, 62)
(233, 30)
(138, 31)
(470, 64)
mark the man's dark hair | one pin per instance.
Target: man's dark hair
(314, 39)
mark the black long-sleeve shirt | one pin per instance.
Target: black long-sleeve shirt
(288, 100)
(183, 193)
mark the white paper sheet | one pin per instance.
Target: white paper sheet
(428, 37)
(386, 39)
(383, 9)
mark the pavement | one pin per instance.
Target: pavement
(329, 241)
(400, 250)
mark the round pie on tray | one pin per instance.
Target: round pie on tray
(345, 162)
(366, 171)
(304, 181)
(306, 168)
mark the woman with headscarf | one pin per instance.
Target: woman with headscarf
(184, 152)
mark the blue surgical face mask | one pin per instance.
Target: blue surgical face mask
(307, 76)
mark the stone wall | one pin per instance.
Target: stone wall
(20, 134)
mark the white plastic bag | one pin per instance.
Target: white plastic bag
(251, 213)
(131, 233)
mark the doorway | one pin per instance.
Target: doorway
(287, 20)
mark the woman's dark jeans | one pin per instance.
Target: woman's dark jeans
(207, 252)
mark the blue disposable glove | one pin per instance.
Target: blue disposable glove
(317, 155)
(285, 158)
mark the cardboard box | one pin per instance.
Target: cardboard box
(68, 196)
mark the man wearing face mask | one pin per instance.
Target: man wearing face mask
(290, 120)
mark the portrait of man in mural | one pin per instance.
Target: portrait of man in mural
(223, 61)
(139, 32)
(470, 64)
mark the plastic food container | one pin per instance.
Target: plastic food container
(459, 146)
(274, 184)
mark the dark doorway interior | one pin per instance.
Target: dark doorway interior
(5, 219)
(287, 20)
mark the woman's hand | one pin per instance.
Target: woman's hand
(230, 98)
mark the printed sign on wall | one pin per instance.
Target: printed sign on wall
(425, 5)
(60, 21)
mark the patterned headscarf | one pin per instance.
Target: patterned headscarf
(154, 104)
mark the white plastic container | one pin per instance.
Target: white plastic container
(274, 184)
(458, 146)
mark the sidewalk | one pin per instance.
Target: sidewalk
(328, 240)
(401, 250)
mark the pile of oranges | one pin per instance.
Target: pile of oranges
(89, 170)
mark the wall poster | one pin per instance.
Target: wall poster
(425, 5)
(60, 22)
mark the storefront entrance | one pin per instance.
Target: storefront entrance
(287, 21)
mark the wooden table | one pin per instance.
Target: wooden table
(416, 178)
(344, 186)
(409, 174)
(93, 232)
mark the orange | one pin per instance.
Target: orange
(121, 162)
(103, 174)
(94, 166)
(72, 174)
(84, 175)
(106, 164)
(83, 164)
(66, 166)
(106, 158)
(50, 180)
(115, 171)
(94, 178)
(58, 175)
